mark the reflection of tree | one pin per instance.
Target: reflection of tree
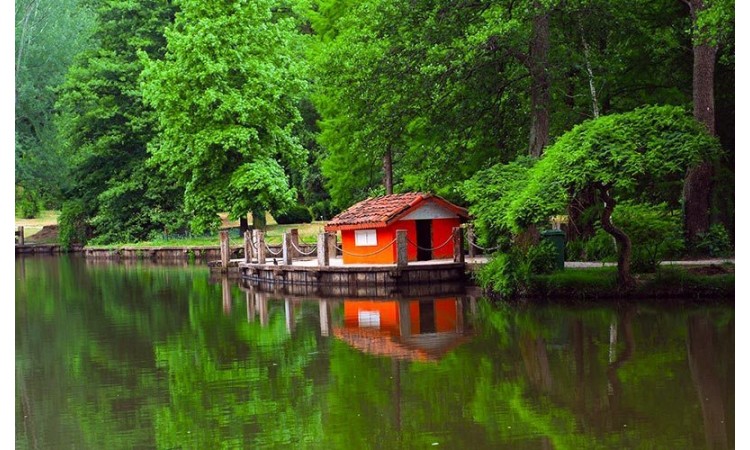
(702, 355)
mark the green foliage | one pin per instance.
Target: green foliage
(715, 242)
(601, 247)
(293, 214)
(323, 210)
(227, 94)
(655, 233)
(74, 223)
(509, 273)
(28, 204)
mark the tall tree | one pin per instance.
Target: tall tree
(106, 127)
(49, 34)
(227, 96)
(709, 18)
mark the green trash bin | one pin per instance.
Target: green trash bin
(557, 237)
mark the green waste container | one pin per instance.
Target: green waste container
(557, 238)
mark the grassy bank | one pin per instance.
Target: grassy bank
(697, 283)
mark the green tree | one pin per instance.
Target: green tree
(619, 156)
(106, 126)
(227, 95)
(48, 36)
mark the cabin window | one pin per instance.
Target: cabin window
(365, 238)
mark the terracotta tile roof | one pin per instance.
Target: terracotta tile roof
(380, 211)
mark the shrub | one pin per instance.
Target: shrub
(294, 214)
(73, 221)
(323, 210)
(601, 247)
(509, 273)
(715, 242)
(28, 203)
(655, 233)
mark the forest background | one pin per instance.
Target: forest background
(138, 118)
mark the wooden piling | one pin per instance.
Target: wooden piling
(286, 249)
(332, 252)
(224, 246)
(261, 242)
(248, 246)
(458, 245)
(402, 254)
(294, 243)
(323, 256)
(20, 235)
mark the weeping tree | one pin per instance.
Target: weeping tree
(618, 156)
(226, 94)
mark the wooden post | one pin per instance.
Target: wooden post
(458, 245)
(286, 249)
(472, 238)
(332, 236)
(20, 235)
(294, 241)
(261, 240)
(403, 255)
(248, 246)
(323, 257)
(224, 246)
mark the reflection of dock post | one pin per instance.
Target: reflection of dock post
(289, 312)
(250, 301)
(224, 242)
(263, 309)
(403, 255)
(226, 295)
(323, 256)
(458, 245)
(248, 246)
(459, 315)
(324, 317)
(261, 240)
(404, 318)
(286, 249)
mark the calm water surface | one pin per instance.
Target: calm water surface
(122, 356)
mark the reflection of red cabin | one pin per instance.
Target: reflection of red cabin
(368, 229)
(420, 330)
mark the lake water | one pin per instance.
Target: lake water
(122, 356)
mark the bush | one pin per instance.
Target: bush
(601, 247)
(655, 233)
(509, 273)
(323, 210)
(294, 214)
(73, 221)
(715, 242)
(28, 203)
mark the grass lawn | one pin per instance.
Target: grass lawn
(33, 226)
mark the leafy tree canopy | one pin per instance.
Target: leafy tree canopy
(226, 94)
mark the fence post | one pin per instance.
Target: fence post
(458, 245)
(224, 246)
(20, 235)
(286, 249)
(294, 241)
(332, 236)
(248, 246)
(401, 250)
(323, 257)
(471, 238)
(261, 239)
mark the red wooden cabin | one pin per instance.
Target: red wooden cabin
(368, 229)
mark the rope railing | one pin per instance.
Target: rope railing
(450, 239)
(302, 252)
(387, 247)
(271, 251)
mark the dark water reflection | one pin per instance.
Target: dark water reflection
(147, 356)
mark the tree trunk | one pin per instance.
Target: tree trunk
(697, 188)
(625, 279)
(259, 220)
(388, 171)
(540, 83)
(243, 225)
